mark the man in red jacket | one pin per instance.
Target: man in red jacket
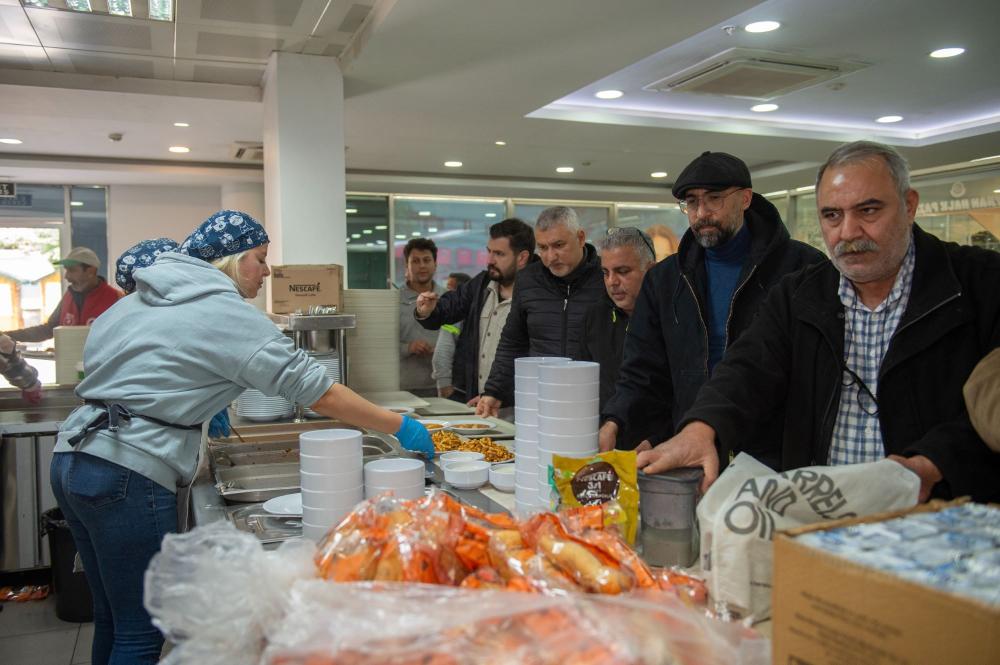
(87, 297)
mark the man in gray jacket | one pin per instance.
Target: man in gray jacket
(416, 345)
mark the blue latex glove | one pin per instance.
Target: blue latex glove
(219, 425)
(415, 437)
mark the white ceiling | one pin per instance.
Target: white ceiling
(434, 80)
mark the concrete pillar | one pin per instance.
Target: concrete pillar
(248, 197)
(304, 159)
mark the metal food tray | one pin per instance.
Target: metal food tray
(272, 452)
(269, 528)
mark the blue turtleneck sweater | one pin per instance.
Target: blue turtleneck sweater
(723, 265)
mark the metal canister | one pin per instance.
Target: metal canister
(667, 510)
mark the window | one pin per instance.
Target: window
(367, 242)
(664, 224)
(593, 219)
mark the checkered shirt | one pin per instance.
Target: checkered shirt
(857, 435)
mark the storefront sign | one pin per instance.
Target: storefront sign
(8, 189)
(18, 201)
(958, 205)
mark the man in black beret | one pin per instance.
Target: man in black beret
(694, 304)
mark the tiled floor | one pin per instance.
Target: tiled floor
(31, 634)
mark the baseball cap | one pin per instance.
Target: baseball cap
(80, 255)
(712, 171)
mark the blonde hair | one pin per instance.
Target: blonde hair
(230, 266)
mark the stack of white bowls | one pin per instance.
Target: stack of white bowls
(526, 464)
(568, 416)
(403, 476)
(331, 475)
(331, 363)
(255, 405)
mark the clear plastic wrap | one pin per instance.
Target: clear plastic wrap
(410, 624)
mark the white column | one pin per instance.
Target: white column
(248, 197)
(304, 159)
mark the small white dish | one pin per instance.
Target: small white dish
(459, 456)
(402, 410)
(467, 475)
(472, 426)
(434, 425)
(502, 477)
(288, 504)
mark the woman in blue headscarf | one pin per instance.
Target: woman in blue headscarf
(158, 364)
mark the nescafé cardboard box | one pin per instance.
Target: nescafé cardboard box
(298, 287)
(831, 611)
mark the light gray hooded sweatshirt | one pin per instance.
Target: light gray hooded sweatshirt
(180, 350)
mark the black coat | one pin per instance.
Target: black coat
(792, 357)
(666, 351)
(605, 326)
(545, 319)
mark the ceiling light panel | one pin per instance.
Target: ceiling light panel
(609, 94)
(949, 52)
(120, 7)
(887, 119)
(762, 26)
(79, 5)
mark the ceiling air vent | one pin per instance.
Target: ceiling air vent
(247, 151)
(752, 74)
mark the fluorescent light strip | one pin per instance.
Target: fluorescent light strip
(120, 7)
(983, 159)
(79, 5)
(161, 10)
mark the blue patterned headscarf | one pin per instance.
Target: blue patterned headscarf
(224, 233)
(139, 256)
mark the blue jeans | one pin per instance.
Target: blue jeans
(118, 519)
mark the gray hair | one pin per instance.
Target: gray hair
(859, 151)
(628, 237)
(556, 215)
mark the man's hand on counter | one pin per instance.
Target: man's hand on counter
(607, 436)
(419, 347)
(925, 469)
(33, 395)
(473, 402)
(426, 302)
(693, 446)
(488, 407)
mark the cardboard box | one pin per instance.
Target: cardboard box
(298, 287)
(831, 611)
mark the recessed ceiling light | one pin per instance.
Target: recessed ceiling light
(424, 213)
(564, 169)
(658, 174)
(764, 108)
(886, 119)
(181, 124)
(491, 214)
(355, 235)
(400, 236)
(381, 227)
(179, 149)
(369, 244)
(453, 164)
(949, 52)
(12, 141)
(432, 229)
(367, 231)
(348, 239)
(415, 234)
(608, 94)
(76, 204)
(762, 26)
(499, 143)
(351, 211)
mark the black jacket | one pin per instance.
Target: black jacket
(463, 304)
(666, 351)
(545, 319)
(604, 328)
(792, 357)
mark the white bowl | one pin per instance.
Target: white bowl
(410, 492)
(502, 477)
(436, 424)
(332, 500)
(460, 456)
(524, 400)
(561, 408)
(526, 432)
(526, 462)
(314, 532)
(585, 424)
(331, 482)
(467, 475)
(576, 371)
(401, 410)
(329, 517)
(394, 472)
(528, 365)
(333, 465)
(526, 479)
(525, 416)
(524, 494)
(468, 426)
(569, 443)
(522, 447)
(570, 392)
(330, 442)
(526, 384)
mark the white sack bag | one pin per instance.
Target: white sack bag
(750, 502)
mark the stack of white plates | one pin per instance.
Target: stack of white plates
(255, 405)
(568, 416)
(402, 476)
(526, 463)
(330, 362)
(373, 346)
(331, 474)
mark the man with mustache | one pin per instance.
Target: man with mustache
(864, 357)
(696, 303)
(482, 304)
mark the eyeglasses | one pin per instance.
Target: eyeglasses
(633, 231)
(866, 399)
(712, 201)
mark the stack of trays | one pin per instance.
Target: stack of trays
(402, 476)
(526, 463)
(568, 417)
(332, 478)
(374, 344)
(331, 363)
(255, 405)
